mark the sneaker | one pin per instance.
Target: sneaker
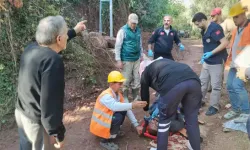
(107, 144)
(211, 111)
(231, 114)
(242, 118)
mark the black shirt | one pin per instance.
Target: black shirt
(41, 87)
(163, 42)
(162, 75)
(211, 40)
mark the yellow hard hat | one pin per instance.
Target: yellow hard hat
(236, 10)
(115, 76)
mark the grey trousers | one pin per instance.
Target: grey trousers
(32, 135)
(131, 73)
(215, 74)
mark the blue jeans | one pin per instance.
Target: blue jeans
(248, 127)
(237, 92)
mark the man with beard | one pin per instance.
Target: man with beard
(215, 54)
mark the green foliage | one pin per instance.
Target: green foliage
(18, 28)
(152, 12)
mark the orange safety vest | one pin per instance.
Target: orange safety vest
(102, 116)
(244, 41)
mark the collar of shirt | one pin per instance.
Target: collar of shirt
(117, 98)
(167, 31)
(210, 28)
(240, 29)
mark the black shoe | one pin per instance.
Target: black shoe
(211, 111)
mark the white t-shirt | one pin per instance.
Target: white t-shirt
(167, 31)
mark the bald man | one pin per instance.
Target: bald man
(163, 39)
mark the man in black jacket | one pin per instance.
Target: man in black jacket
(163, 39)
(39, 108)
(175, 82)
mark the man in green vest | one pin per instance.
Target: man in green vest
(128, 51)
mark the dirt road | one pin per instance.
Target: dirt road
(77, 124)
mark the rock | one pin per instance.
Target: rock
(204, 131)
(228, 106)
(95, 39)
(220, 117)
(111, 41)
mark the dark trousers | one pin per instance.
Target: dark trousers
(189, 94)
(117, 121)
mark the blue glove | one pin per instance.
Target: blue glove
(182, 47)
(150, 53)
(155, 113)
(202, 61)
(207, 55)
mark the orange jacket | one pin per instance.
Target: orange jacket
(244, 41)
(102, 116)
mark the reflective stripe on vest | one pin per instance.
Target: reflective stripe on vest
(96, 110)
(101, 122)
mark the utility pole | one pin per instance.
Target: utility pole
(110, 16)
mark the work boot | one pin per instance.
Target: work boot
(125, 95)
(135, 94)
(211, 111)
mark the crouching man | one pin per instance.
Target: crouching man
(175, 82)
(110, 111)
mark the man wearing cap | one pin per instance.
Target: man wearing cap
(215, 54)
(110, 111)
(216, 15)
(163, 39)
(238, 94)
(227, 25)
(128, 51)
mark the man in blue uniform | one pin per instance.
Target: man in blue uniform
(215, 54)
(163, 39)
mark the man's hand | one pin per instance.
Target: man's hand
(139, 129)
(201, 61)
(150, 53)
(207, 55)
(138, 104)
(80, 26)
(241, 74)
(182, 47)
(119, 64)
(57, 144)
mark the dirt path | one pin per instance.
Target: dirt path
(77, 124)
